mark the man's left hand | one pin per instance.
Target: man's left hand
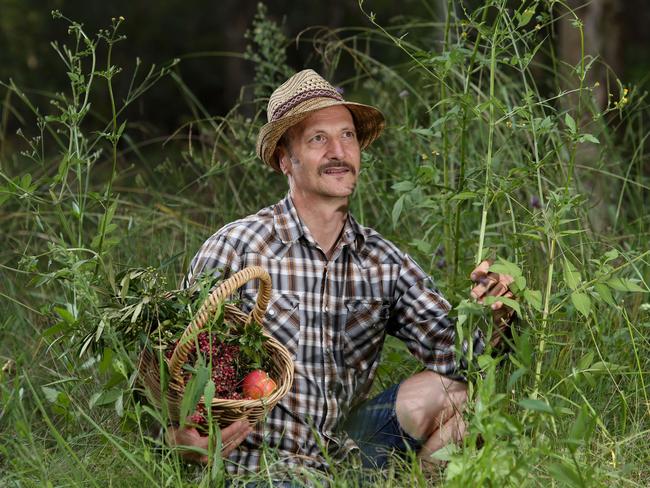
(496, 285)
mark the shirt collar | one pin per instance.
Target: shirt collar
(289, 228)
(287, 223)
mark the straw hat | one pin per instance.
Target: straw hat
(300, 96)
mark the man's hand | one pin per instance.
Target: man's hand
(496, 285)
(231, 437)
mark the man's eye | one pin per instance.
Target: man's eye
(318, 138)
(348, 134)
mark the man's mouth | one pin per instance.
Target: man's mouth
(336, 169)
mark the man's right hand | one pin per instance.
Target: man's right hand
(231, 437)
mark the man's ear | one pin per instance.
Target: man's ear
(284, 159)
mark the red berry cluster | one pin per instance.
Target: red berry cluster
(225, 361)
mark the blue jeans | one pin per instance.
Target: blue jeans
(374, 427)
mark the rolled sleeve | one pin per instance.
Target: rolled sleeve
(420, 318)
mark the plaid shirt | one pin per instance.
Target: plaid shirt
(333, 316)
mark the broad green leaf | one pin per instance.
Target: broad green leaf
(589, 138)
(403, 186)
(605, 366)
(208, 392)
(55, 329)
(565, 474)
(119, 406)
(397, 209)
(519, 284)
(100, 329)
(106, 361)
(422, 132)
(118, 366)
(25, 181)
(51, 394)
(536, 405)
(422, 246)
(446, 453)
(581, 302)
(534, 299)
(107, 397)
(193, 391)
(581, 428)
(609, 255)
(624, 284)
(570, 123)
(513, 304)
(514, 377)
(525, 16)
(603, 292)
(65, 314)
(136, 312)
(586, 360)
(503, 266)
(571, 274)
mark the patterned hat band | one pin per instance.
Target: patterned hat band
(301, 97)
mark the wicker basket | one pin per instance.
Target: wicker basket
(224, 411)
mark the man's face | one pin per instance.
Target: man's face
(323, 157)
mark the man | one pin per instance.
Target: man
(338, 289)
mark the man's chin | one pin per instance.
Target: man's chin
(341, 192)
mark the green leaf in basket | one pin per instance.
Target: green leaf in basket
(193, 391)
(251, 343)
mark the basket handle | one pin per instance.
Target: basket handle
(211, 304)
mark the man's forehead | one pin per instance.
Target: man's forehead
(337, 115)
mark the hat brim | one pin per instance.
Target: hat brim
(368, 121)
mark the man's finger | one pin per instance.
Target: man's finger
(233, 435)
(481, 270)
(485, 284)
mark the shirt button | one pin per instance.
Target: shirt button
(327, 309)
(328, 351)
(271, 312)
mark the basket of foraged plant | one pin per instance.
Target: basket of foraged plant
(222, 366)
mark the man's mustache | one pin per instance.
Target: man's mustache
(335, 163)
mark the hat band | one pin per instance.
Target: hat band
(301, 97)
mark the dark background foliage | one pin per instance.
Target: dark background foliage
(209, 37)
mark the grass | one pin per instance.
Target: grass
(494, 148)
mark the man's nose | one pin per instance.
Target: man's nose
(335, 149)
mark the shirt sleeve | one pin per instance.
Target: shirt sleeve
(420, 318)
(217, 257)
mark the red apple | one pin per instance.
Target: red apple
(257, 384)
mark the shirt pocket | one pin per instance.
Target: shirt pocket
(365, 330)
(282, 320)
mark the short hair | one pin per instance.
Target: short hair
(286, 138)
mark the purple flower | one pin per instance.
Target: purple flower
(403, 94)
(442, 263)
(534, 202)
(339, 90)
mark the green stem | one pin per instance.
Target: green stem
(545, 315)
(488, 160)
(638, 361)
(114, 140)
